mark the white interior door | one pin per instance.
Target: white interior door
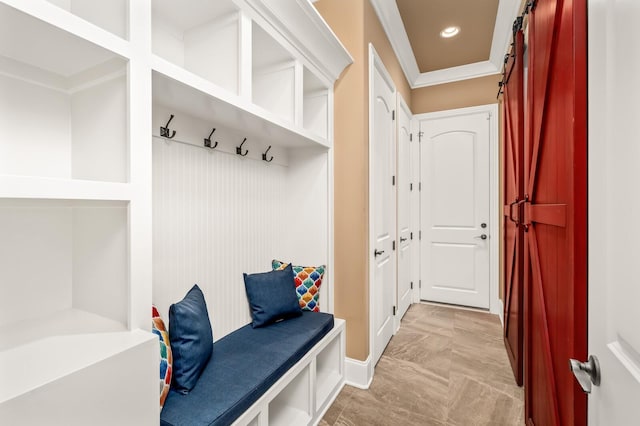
(614, 229)
(382, 204)
(455, 208)
(403, 188)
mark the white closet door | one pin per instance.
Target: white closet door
(382, 204)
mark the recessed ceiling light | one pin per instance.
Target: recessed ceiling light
(449, 32)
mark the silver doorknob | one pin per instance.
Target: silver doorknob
(586, 373)
(482, 237)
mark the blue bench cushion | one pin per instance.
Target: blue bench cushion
(243, 366)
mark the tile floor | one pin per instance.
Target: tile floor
(445, 366)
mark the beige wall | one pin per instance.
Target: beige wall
(356, 24)
(465, 93)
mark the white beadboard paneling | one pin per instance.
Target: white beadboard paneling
(215, 216)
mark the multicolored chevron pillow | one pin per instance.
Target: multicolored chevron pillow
(166, 357)
(308, 280)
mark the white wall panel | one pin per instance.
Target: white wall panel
(215, 216)
(35, 262)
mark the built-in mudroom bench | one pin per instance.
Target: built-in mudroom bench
(149, 146)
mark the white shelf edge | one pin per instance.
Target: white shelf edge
(236, 103)
(27, 367)
(66, 21)
(15, 186)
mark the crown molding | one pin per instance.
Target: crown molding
(389, 15)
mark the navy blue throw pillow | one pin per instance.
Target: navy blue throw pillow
(272, 296)
(191, 339)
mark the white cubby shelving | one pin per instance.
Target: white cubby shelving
(273, 76)
(292, 406)
(109, 15)
(315, 105)
(54, 85)
(85, 86)
(200, 36)
(71, 215)
(329, 371)
(302, 396)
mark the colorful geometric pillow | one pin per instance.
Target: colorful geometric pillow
(166, 358)
(308, 280)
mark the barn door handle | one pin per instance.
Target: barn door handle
(586, 373)
(517, 221)
(377, 253)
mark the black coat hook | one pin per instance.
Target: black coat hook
(165, 132)
(264, 155)
(239, 149)
(207, 141)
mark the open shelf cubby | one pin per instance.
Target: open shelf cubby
(315, 105)
(62, 255)
(201, 36)
(328, 370)
(63, 110)
(292, 406)
(109, 15)
(64, 286)
(273, 75)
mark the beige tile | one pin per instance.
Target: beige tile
(365, 409)
(431, 351)
(338, 405)
(409, 387)
(475, 403)
(445, 366)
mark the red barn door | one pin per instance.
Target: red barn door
(513, 148)
(555, 213)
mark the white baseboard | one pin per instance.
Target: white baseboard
(358, 374)
(498, 309)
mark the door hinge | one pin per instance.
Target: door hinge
(420, 186)
(393, 245)
(393, 180)
(411, 285)
(410, 187)
(394, 311)
(420, 235)
(393, 114)
(410, 137)
(411, 235)
(420, 284)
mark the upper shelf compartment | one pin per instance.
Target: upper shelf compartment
(240, 64)
(63, 109)
(273, 75)
(109, 15)
(201, 36)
